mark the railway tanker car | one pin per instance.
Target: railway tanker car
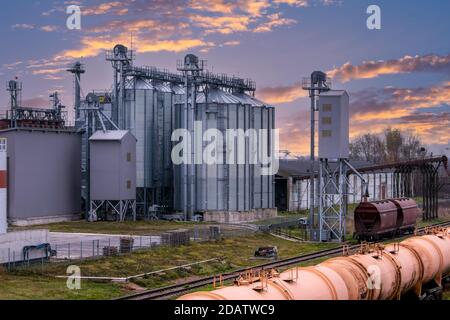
(376, 220)
(416, 268)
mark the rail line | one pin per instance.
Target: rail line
(181, 288)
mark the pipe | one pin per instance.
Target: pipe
(381, 273)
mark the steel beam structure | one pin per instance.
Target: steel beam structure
(317, 83)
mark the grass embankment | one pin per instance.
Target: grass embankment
(39, 283)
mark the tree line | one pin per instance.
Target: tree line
(391, 146)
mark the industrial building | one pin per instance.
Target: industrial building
(43, 161)
(43, 175)
(145, 105)
(151, 104)
(113, 173)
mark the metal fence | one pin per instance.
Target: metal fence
(111, 246)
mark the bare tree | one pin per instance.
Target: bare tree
(368, 147)
(394, 143)
(392, 146)
(411, 148)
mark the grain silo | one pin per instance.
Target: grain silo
(153, 103)
(148, 116)
(225, 191)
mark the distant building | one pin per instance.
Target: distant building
(292, 185)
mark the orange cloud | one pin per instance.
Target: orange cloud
(407, 64)
(90, 47)
(49, 28)
(173, 45)
(93, 46)
(217, 6)
(275, 20)
(390, 103)
(104, 8)
(281, 94)
(46, 71)
(222, 24)
(296, 3)
(373, 110)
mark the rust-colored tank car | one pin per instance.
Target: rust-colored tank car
(376, 219)
(384, 219)
(407, 214)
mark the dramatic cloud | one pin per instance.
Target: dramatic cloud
(422, 111)
(390, 103)
(407, 64)
(408, 109)
(282, 94)
(174, 26)
(93, 46)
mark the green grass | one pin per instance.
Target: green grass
(40, 287)
(235, 252)
(421, 223)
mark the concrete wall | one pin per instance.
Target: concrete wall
(12, 243)
(44, 178)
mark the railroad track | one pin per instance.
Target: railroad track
(181, 288)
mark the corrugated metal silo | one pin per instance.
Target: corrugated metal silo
(148, 115)
(223, 189)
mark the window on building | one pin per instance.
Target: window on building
(129, 156)
(326, 120)
(327, 107)
(326, 133)
(128, 184)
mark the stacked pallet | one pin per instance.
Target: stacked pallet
(126, 244)
(110, 251)
(214, 233)
(175, 238)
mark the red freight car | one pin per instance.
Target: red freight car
(407, 214)
(384, 219)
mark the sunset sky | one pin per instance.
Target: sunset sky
(397, 76)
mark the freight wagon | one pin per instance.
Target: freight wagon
(385, 219)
